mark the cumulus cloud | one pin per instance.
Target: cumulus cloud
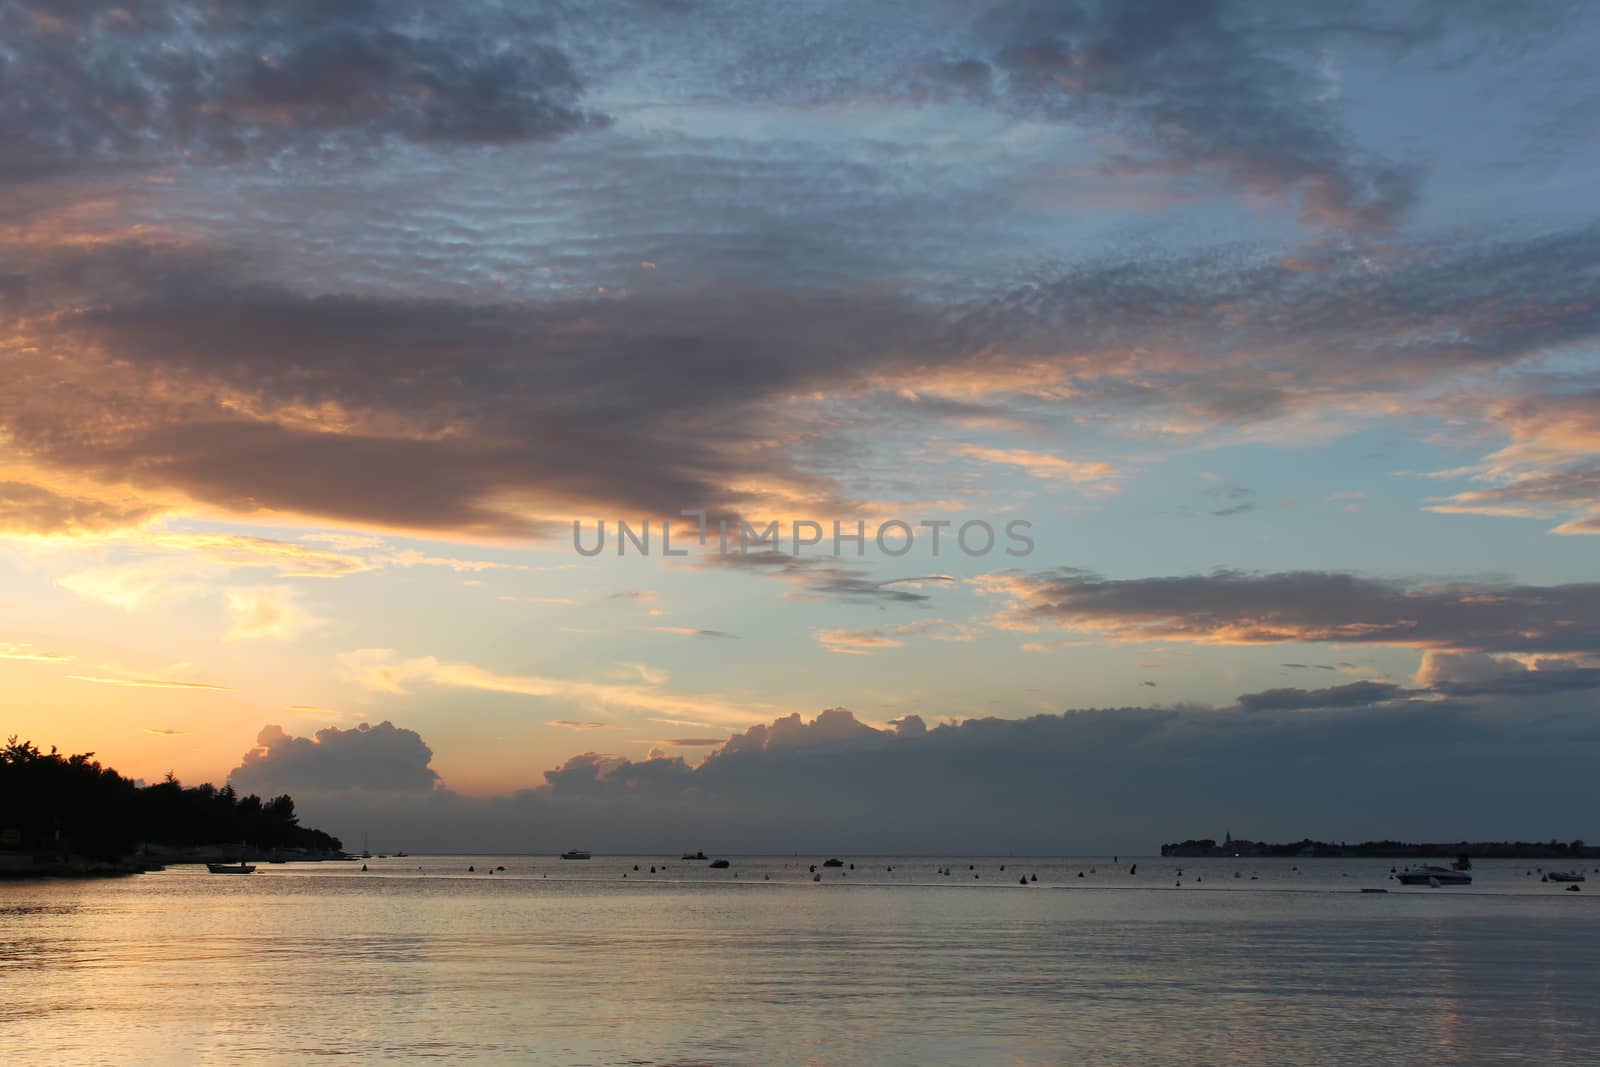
(382, 758)
(1084, 781)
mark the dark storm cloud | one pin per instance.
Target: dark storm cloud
(92, 85)
(1084, 781)
(383, 758)
(1239, 608)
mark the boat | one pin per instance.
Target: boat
(576, 854)
(231, 868)
(833, 863)
(1566, 876)
(719, 864)
(693, 856)
(1434, 876)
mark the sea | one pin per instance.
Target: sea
(885, 960)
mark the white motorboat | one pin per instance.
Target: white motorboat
(1565, 876)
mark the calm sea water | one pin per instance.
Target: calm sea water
(570, 962)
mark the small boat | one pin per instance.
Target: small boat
(693, 856)
(231, 868)
(719, 864)
(402, 853)
(1433, 876)
(1566, 876)
(833, 863)
(576, 854)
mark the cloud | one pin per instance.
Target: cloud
(690, 742)
(136, 587)
(381, 671)
(691, 631)
(428, 414)
(24, 651)
(95, 86)
(34, 509)
(163, 733)
(1095, 473)
(1353, 695)
(568, 724)
(267, 612)
(825, 577)
(148, 683)
(1198, 88)
(866, 642)
(382, 758)
(1089, 781)
(1240, 608)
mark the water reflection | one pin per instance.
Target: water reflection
(896, 967)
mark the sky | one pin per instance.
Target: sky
(1215, 388)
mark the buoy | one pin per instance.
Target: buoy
(816, 877)
(364, 867)
(470, 868)
(1022, 881)
(1033, 878)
